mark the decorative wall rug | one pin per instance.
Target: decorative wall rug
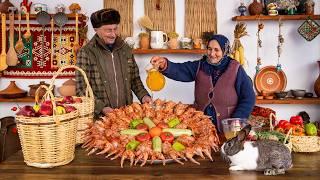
(38, 59)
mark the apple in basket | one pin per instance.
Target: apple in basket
(26, 111)
(60, 110)
(46, 109)
(69, 108)
(68, 100)
(77, 100)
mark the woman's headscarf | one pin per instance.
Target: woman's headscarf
(223, 42)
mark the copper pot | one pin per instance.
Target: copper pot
(34, 87)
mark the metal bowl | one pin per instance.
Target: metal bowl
(298, 93)
(281, 94)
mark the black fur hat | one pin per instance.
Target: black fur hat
(104, 17)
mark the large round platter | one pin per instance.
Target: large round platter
(269, 80)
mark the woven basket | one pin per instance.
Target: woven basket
(48, 141)
(287, 140)
(305, 143)
(86, 108)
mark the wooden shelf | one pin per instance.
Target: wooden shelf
(169, 51)
(82, 17)
(289, 101)
(24, 99)
(275, 18)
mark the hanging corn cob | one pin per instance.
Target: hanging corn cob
(237, 50)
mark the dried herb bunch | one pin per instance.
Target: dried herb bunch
(237, 50)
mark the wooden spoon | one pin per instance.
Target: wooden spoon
(76, 45)
(3, 56)
(27, 35)
(12, 58)
(19, 44)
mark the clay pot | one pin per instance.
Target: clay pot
(4, 7)
(34, 87)
(12, 91)
(317, 83)
(173, 43)
(144, 42)
(255, 8)
(68, 88)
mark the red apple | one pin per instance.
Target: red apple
(27, 111)
(45, 110)
(47, 103)
(77, 100)
(59, 103)
(69, 108)
(68, 100)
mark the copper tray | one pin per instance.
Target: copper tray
(268, 79)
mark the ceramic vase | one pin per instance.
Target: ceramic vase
(255, 8)
(317, 83)
(144, 42)
(242, 9)
(173, 43)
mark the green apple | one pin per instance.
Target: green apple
(311, 129)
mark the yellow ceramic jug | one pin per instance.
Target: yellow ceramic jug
(155, 80)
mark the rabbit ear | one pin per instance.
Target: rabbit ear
(244, 133)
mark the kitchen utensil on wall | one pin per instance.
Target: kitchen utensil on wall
(52, 38)
(12, 58)
(3, 56)
(12, 91)
(270, 80)
(19, 44)
(76, 45)
(60, 19)
(27, 34)
(43, 18)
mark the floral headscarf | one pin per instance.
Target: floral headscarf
(223, 42)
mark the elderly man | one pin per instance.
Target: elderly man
(110, 66)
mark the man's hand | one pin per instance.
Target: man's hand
(146, 99)
(160, 62)
(106, 110)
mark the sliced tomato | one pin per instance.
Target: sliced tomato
(142, 126)
(143, 137)
(167, 137)
(162, 125)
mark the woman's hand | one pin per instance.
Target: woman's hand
(146, 99)
(160, 62)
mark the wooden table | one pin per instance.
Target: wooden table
(306, 166)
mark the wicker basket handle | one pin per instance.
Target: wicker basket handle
(287, 136)
(49, 95)
(270, 119)
(89, 91)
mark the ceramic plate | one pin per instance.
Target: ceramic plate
(268, 79)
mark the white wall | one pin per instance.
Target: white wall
(298, 59)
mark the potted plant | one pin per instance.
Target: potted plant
(144, 40)
(173, 40)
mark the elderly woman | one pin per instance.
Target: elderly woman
(222, 87)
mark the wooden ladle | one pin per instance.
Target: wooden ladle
(27, 34)
(76, 45)
(19, 44)
(3, 56)
(12, 58)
